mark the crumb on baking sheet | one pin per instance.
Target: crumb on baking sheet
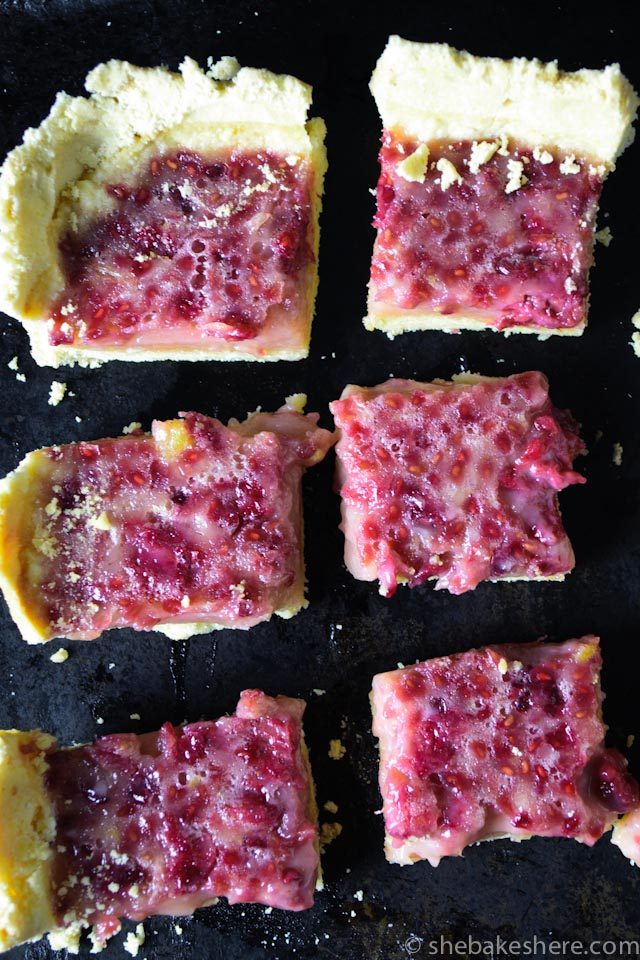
(59, 656)
(132, 427)
(178, 929)
(56, 393)
(328, 833)
(13, 363)
(330, 806)
(359, 895)
(134, 941)
(617, 454)
(337, 749)
(630, 740)
(318, 692)
(604, 236)
(134, 716)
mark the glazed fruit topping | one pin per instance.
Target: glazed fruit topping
(456, 482)
(198, 248)
(509, 241)
(197, 522)
(505, 739)
(166, 822)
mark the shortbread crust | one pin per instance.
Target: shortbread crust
(55, 181)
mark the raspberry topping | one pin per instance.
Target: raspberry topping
(505, 739)
(516, 258)
(197, 523)
(456, 482)
(197, 249)
(164, 822)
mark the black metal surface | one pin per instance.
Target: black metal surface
(544, 888)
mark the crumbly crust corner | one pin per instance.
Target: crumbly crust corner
(27, 830)
(431, 91)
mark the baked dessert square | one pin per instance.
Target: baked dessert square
(166, 216)
(455, 482)
(491, 173)
(163, 823)
(504, 741)
(193, 527)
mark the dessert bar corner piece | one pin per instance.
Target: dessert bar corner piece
(163, 823)
(491, 173)
(504, 741)
(456, 482)
(166, 216)
(191, 528)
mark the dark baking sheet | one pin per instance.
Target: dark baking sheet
(550, 889)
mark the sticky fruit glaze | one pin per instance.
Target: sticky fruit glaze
(196, 522)
(501, 740)
(196, 250)
(454, 482)
(509, 259)
(166, 822)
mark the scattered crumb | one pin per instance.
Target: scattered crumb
(569, 164)
(630, 740)
(269, 910)
(517, 179)
(21, 377)
(359, 895)
(330, 806)
(78, 419)
(449, 173)
(503, 666)
(134, 716)
(604, 236)
(56, 393)
(178, 929)
(59, 656)
(132, 427)
(328, 833)
(13, 363)
(134, 941)
(318, 692)
(100, 720)
(400, 665)
(336, 749)
(617, 454)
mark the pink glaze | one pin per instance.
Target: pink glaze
(457, 483)
(197, 249)
(145, 533)
(166, 822)
(501, 740)
(508, 259)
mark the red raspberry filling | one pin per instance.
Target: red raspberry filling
(505, 739)
(197, 248)
(165, 822)
(198, 522)
(510, 259)
(454, 482)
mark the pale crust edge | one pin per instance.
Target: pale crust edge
(433, 91)
(398, 321)
(27, 829)
(128, 108)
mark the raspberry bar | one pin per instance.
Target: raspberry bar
(491, 173)
(193, 527)
(505, 741)
(162, 823)
(455, 482)
(166, 216)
